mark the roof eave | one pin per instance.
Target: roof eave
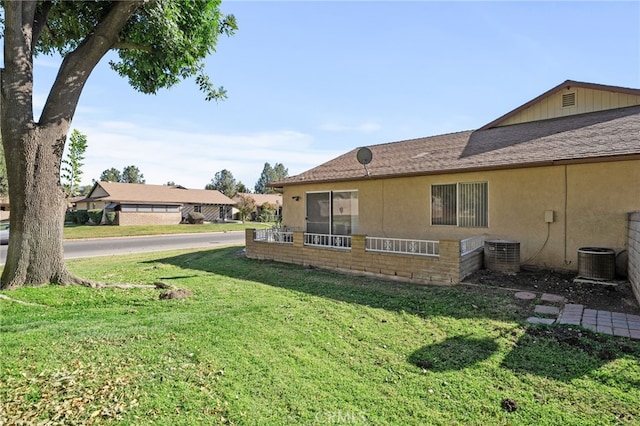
(546, 163)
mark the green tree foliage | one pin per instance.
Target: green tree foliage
(86, 189)
(245, 205)
(270, 174)
(111, 175)
(224, 182)
(158, 44)
(131, 174)
(267, 212)
(242, 188)
(72, 164)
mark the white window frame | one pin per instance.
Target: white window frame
(354, 229)
(459, 203)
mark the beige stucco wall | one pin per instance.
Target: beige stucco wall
(91, 205)
(590, 204)
(587, 100)
(137, 218)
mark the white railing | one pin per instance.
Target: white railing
(403, 246)
(273, 236)
(325, 240)
(470, 244)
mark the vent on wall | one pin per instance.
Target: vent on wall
(502, 255)
(568, 99)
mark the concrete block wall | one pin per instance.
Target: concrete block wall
(471, 262)
(447, 269)
(633, 269)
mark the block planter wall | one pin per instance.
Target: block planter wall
(448, 268)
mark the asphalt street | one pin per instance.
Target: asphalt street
(126, 245)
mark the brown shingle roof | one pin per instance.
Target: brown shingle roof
(599, 135)
(149, 194)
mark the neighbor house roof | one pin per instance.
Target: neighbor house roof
(597, 136)
(260, 199)
(150, 194)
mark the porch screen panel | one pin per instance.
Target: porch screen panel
(443, 204)
(472, 204)
(344, 212)
(318, 212)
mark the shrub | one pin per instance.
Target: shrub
(195, 218)
(111, 218)
(82, 217)
(267, 212)
(70, 217)
(95, 215)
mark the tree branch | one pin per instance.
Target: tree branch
(17, 75)
(78, 65)
(39, 22)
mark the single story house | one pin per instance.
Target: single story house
(143, 204)
(260, 200)
(559, 173)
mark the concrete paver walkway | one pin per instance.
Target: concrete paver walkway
(614, 323)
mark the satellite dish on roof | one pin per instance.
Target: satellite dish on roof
(364, 157)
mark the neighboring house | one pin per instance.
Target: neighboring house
(4, 207)
(259, 199)
(559, 173)
(142, 204)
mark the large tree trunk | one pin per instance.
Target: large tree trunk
(33, 150)
(35, 255)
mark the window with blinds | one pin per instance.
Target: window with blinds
(460, 204)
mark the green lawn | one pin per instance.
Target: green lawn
(91, 231)
(261, 343)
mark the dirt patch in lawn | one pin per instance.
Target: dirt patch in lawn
(617, 298)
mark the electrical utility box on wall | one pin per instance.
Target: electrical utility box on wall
(548, 216)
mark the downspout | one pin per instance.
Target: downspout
(566, 188)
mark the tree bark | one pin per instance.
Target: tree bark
(33, 151)
(35, 255)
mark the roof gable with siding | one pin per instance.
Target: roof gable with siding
(569, 98)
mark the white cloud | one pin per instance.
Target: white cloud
(192, 159)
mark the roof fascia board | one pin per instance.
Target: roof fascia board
(549, 163)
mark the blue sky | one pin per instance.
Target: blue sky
(308, 81)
